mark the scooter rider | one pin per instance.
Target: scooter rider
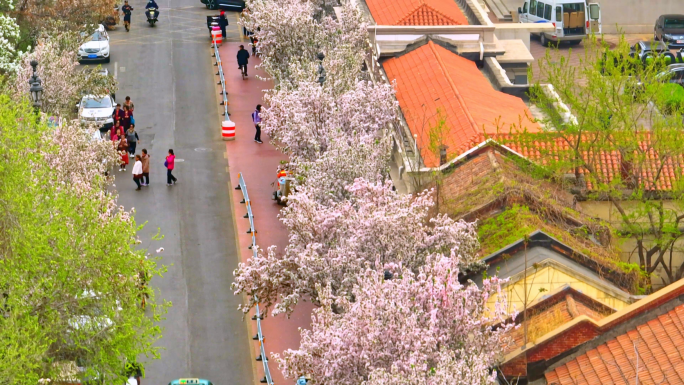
(151, 4)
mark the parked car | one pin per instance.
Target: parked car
(96, 48)
(97, 110)
(190, 381)
(570, 18)
(674, 73)
(237, 5)
(645, 49)
(670, 30)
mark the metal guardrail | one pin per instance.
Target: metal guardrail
(258, 316)
(222, 82)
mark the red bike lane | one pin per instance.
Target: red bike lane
(258, 164)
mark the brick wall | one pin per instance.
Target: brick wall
(578, 335)
(515, 367)
(469, 176)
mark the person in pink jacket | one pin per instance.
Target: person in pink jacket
(169, 163)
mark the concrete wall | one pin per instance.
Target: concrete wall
(636, 16)
(633, 16)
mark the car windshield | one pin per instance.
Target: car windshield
(674, 23)
(105, 102)
(97, 36)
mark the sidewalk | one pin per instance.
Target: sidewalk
(258, 164)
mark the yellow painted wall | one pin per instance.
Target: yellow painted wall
(547, 279)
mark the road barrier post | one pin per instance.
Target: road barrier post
(258, 316)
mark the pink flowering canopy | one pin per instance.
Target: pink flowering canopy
(303, 120)
(329, 244)
(290, 38)
(403, 329)
(64, 83)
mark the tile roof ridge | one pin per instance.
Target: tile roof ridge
(424, 4)
(459, 97)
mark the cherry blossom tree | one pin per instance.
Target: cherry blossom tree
(9, 36)
(330, 243)
(404, 328)
(303, 120)
(451, 368)
(62, 15)
(64, 83)
(348, 157)
(77, 159)
(290, 38)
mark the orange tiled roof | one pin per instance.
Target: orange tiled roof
(431, 78)
(416, 12)
(659, 342)
(548, 144)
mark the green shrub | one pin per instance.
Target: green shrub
(671, 98)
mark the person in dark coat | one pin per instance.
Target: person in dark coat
(118, 115)
(223, 23)
(127, 119)
(243, 58)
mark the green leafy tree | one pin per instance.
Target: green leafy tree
(610, 128)
(69, 263)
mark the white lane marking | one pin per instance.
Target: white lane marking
(116, 69)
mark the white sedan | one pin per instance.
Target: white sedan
(96, 48)
(97, 110)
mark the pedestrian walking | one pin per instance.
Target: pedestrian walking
(253, 39)
(243, 59)
(129, 103)
(117, 131)
(256, 118)
(146, 167)
(223, 22)
(137, 171)
(132, 139)
(127, 118)
(169, 163)
(118, 115)
(126, 9)
(123, 149)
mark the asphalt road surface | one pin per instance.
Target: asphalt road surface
(167, 70)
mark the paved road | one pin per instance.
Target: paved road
(167, 71)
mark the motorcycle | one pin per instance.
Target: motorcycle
(152, 15)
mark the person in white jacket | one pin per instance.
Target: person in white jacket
(137, 171)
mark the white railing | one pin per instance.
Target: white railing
(222, 80)
(258, 316)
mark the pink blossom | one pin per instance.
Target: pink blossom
(399, 329)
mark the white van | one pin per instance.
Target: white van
(573, 19)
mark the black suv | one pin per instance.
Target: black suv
(670, 29)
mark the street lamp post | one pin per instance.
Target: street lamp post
(321, 70)
(36, 89)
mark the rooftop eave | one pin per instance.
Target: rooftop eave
(390, 40)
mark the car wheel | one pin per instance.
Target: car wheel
(107, 59)
(212, 4)
(543, 40)
(655, 36)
